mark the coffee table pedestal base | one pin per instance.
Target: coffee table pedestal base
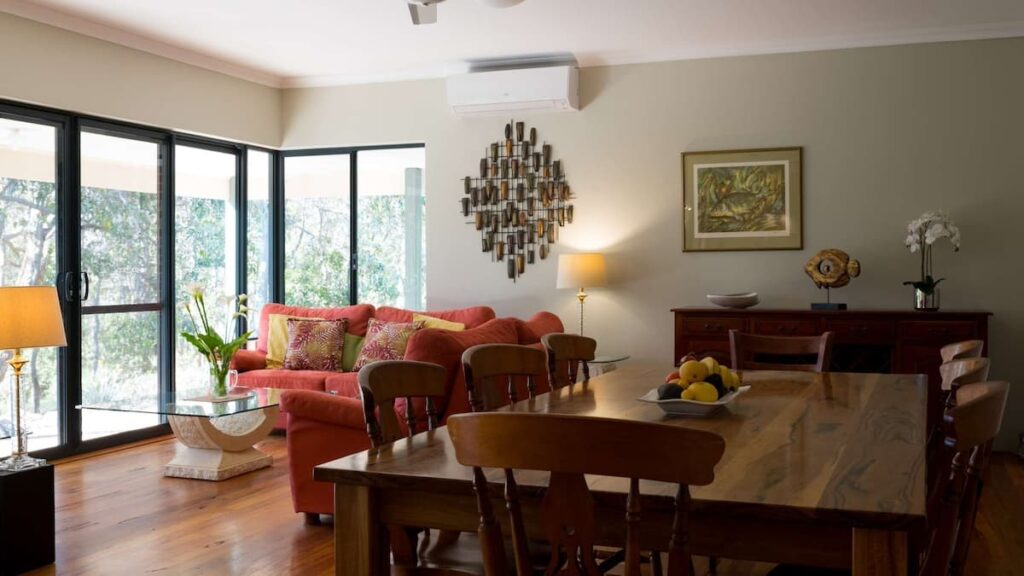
(220, 448)
(215, 465)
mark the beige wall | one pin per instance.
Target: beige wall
(887, 134)
(53, 67)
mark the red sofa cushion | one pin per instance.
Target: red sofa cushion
(287, 379)
(358, 316)
(345, 384)
(445, 348)
(245, 360)
(471, 317)
(530, 331)
(322, 407)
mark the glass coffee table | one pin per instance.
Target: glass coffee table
(216, 437)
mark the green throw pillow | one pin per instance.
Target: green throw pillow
(353, 345)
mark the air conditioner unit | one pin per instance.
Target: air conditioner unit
(553, 88)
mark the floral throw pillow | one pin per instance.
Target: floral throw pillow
(385, 341)
(315, 344)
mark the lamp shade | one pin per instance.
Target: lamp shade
(581, 271)
(30, 317)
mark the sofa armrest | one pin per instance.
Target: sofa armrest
(245, 360)
(323, 407)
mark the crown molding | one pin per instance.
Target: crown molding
(1001, 30)
(1013, 29)
(107, 33)
(93, 29)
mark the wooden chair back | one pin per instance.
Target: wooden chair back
(381, 383)
(969, 428)
(957, 373)
(746, 348)
(564, 446)
(566, 353)
(961, 350)
(494, 362)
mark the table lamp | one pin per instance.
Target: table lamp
(581, 271)
(30, 317)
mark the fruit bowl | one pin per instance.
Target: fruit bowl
(691, 407)
(745, 300)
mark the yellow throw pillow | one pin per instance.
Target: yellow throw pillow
(277, 340)
(431, 322)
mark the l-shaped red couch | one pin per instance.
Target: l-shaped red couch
(322, 411)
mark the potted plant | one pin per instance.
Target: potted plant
(217, 351)
(921, 235)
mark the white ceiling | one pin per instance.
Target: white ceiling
(290, 43)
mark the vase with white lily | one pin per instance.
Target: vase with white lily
(921, 235)
(217, 350)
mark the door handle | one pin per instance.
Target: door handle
(85, 292)
(67, 283)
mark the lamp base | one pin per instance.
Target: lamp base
(20, 462)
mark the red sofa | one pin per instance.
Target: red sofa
(323, 427)
(252, 364)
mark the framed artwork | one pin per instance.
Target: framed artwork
(743, 200)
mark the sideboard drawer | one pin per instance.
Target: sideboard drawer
(711, 325)
(716, 348)
(874, 331)
(939, 331)
(770, 327)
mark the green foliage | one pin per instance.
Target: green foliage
(208, 342)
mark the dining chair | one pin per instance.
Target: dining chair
(976, 418)
(746, 349)
(381, 385)
(969, 427)
(487, 363)
(563, 445)
(566, 354)
(952, 502)
(961, 350)
(955, 374)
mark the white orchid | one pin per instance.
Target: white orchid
(921, 234)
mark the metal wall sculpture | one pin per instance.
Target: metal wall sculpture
(518, 200)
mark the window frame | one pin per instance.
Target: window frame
(278, 214)
(69, 126)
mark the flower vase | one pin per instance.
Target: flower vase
(218, 383)
(926, 301)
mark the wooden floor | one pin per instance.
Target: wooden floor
(117, 514)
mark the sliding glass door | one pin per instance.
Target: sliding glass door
(29, 245)
(120, 283)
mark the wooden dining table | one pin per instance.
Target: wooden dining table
(819, 469)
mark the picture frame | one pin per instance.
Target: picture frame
(743, 199)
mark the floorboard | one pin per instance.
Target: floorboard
(117, 514)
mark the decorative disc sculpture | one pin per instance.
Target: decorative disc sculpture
(518, 201)
(831, 268)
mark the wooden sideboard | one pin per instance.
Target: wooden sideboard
(889, 341)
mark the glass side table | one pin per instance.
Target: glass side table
(606, 363)
(216, 438)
